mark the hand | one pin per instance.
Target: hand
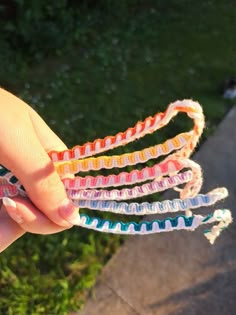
(20, 216)
(24, 142)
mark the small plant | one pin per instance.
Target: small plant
(129, 62)
(27, 24)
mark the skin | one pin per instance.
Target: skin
(24, 142)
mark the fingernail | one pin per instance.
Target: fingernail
(75, 220)
(69, 213)
(8, 202)
(12, 210)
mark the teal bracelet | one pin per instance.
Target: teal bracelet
(174, 170)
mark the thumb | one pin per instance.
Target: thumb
(44, 186)
(30, 219)
(23, 152)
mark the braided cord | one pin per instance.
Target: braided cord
(120, 161)
(146, 208)
(149, 125)
(174, 170)
(131, 193)
(157, 226)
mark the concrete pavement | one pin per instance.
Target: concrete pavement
(178, 273)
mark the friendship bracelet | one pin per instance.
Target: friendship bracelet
(157, 226)
(14, 188)
(124, 178)
(7, 190)
(174, 170)
(108, 162)
(146, 208)
(131, 193)
(149, 125)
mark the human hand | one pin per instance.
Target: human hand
(25, 140)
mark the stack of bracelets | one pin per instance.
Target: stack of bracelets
(175, 169)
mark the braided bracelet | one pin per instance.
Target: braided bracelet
(174, 170)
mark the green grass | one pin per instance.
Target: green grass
(128, 64)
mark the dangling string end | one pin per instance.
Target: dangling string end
(224, 218)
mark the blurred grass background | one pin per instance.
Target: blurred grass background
(91, 69)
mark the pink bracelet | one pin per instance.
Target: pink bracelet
(174, 170)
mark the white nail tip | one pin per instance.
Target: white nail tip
(14, 215)
(8, 202)
(75, 221)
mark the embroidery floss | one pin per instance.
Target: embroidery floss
(169, 173)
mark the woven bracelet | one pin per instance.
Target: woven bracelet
(175, 169)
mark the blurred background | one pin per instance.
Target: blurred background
(94, 68)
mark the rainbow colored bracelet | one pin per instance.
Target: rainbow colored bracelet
(174, 170)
